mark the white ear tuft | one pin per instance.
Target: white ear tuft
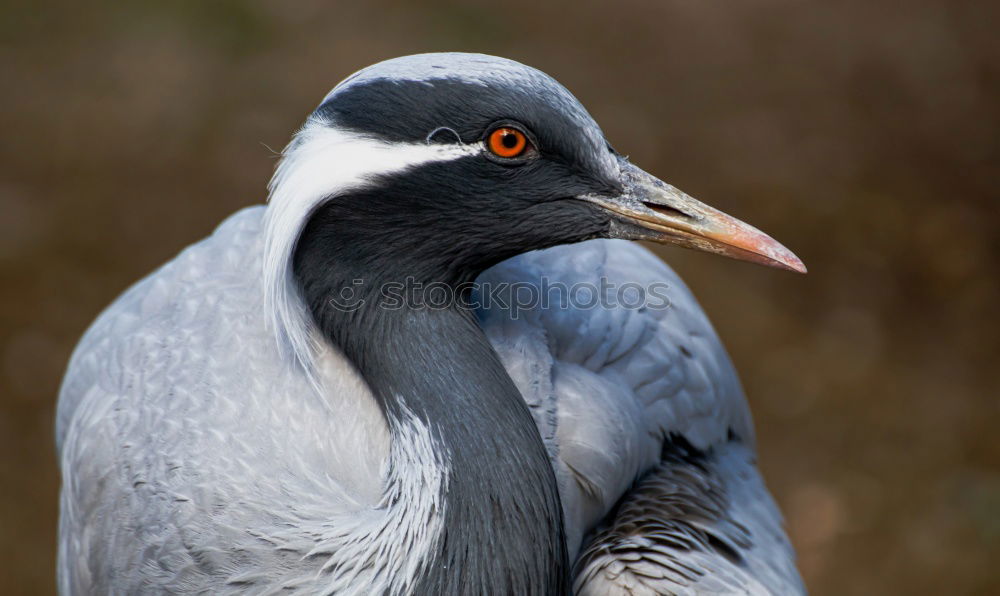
(323, 161)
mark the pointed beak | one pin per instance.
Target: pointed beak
(650, 209)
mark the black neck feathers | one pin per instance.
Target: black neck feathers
(503, 526)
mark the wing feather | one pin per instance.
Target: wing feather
(698, 523)
(613, 382)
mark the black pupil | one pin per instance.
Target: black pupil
(509, 140)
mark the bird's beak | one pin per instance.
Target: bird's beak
(650, 209)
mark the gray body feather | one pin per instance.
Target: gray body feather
(198, 457)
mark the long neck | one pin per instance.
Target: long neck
(503, 528)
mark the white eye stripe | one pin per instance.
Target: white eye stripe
(322, 161)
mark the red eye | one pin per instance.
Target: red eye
(507, 142)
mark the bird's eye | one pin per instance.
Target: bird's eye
(507, 142)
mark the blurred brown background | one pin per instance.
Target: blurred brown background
(863, 134)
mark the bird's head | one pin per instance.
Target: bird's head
(440, 165)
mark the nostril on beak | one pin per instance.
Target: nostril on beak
(667, 210)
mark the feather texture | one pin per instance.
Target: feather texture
(197, 456)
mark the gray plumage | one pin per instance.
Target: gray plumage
(177, 477)
(199, 456)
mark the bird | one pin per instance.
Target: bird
(434, 362)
